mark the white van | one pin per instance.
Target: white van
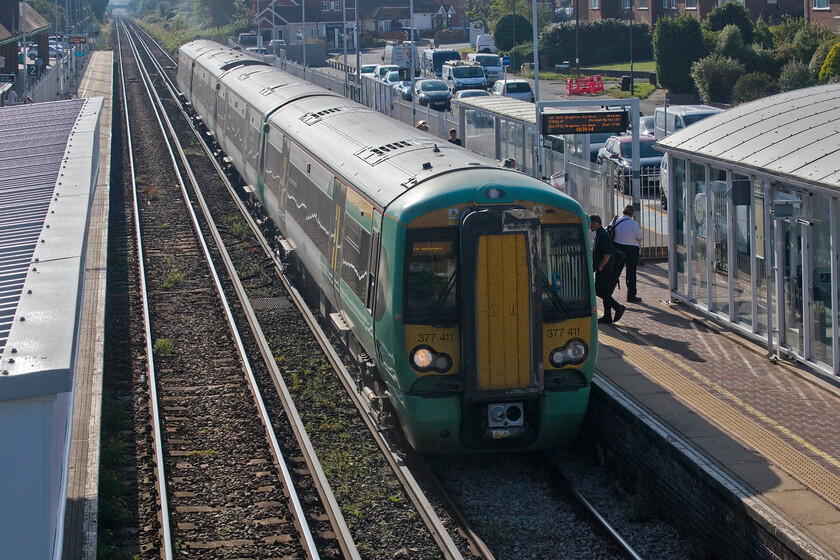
(492, 65)
(433, 60)
(402, 54)
(485, 44)
(667, 120)
(460, 75)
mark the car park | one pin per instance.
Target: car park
(617, 156)
(392, 78)
(403, 89)
(464, 93)
(646, 125)
(515, 88)
(492, 64)
(463, 75)
(382, 70)
(433, 93)
(668, 120)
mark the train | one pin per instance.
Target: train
(463, 290)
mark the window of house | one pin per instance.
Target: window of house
(820, 4)
(673, 4)
(336, 6)
(593, 4)
(625, 4)
(644, 4)
(690, 4)
(325, 6)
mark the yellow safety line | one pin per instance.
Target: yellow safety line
(753, 434)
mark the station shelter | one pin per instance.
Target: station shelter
(754, 221)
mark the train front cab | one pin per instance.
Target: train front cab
(499, 327)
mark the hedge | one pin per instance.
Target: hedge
(601, 41)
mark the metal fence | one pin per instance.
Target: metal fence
(602, 189)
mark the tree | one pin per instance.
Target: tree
(831, 67)
(715, 76)
(511, 30)
(795, 75)
(730, 42)
(750, 87)
(731, 13)
(677, 44)
(481, 12)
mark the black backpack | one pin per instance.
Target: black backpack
(611, 228)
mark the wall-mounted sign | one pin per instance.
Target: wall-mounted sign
(579, 122)
(7, 78)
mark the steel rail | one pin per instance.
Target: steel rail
(343, 535)
(308, 542)
(421, 503)
(150, 359)
(593, 511)
(415, 493)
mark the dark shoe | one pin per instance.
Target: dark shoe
(634, 299)
(618, 313)
(604, 320)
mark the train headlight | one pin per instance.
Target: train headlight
(422, 358)
(574, 352)
(425, 358)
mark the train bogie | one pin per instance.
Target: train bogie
(464, 290)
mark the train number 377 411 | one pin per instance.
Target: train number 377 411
(428, 338)
(560, 332)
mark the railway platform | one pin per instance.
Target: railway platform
(80, 521)
(758, 437)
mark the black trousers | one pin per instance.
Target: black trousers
(604, 288)
(632, 253)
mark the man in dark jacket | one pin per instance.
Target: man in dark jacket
(603, 258)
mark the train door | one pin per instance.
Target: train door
(500, 252)
(339, 195)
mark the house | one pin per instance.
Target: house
(293, 22)
(648, 11)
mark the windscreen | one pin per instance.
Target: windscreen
(518, 87)
(431, 291)
(467, 72)
(488, 60)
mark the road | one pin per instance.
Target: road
(550, 90)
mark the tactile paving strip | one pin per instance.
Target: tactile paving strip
(764, 441)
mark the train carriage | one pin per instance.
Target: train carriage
(464, 290)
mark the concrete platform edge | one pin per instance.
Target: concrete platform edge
(728, 489)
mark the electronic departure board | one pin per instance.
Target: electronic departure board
(584, 123)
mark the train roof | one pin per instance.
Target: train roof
(218, 58)
(381, 157)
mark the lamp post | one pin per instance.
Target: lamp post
(303, 34)
(632, 77)
(538, 169)
(411, 52)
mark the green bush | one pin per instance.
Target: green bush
(601, 41)
(818, 59)
(762, 35)
(785, 31)
(750, 87)
(757, 59)
(831, 67)
(795, 75)
(730, 43)
(522, 54)
(731, 13)
(677, 43)
(503, 32)
(715, 76)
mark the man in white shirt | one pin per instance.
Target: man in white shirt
(628, 238)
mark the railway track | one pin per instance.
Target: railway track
(264, 301)
(205, 431)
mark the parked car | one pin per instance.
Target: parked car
(617, 156)
(433, 93)
(663, 182)
(646, 125)
(392, 78)
(596, 142)
(463, 75)
(516, 88)
(471, 93)
(382, 70)
(668, 120)
(368, 69)
(403, 89)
